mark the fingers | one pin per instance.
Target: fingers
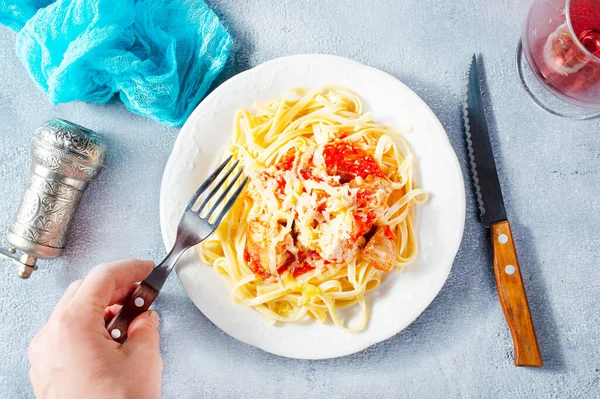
(143, 332)
(98, 288)
(68, 295)
(121, 294)
(117, 300)
(111, 312)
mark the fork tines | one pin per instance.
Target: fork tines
(216, 199)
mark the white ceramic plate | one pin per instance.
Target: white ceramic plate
(403, 295)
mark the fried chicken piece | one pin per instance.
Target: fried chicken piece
(372, 196)
(259, 241)
(380, 251)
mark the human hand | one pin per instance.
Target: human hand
(73, 356)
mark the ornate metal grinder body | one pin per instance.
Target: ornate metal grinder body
(65, 158)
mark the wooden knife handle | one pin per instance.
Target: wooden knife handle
(512, 296)
(137, 303)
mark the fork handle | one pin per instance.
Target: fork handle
(137, 303)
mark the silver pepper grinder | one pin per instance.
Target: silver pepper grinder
(65, 158)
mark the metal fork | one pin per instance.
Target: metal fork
(194, 227)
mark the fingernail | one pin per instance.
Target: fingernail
(152, 315)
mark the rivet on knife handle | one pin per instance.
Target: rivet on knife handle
(512, 296)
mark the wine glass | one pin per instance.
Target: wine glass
(561, 70)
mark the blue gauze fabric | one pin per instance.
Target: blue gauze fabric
(159, 56)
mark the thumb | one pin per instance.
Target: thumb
(143, 332)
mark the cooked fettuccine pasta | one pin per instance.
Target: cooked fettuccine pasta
(328, 210)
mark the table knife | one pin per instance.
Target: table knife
(507, 271)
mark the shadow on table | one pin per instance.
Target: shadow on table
(544, 320)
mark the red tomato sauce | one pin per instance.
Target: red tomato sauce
(286, 163)
(304, 268)
(303, 264)
(305, 260)
(255, 266)
(363, 223)
(363, 197)
(345, 159)
(306, 174)
(281, 183)
(279, 179)
(389, 233)
(288, 262)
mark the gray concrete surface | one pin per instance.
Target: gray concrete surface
(460, 346)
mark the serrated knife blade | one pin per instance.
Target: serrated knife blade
(481, 157)
(507, 271)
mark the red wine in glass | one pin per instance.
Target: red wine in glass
(562, 43)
